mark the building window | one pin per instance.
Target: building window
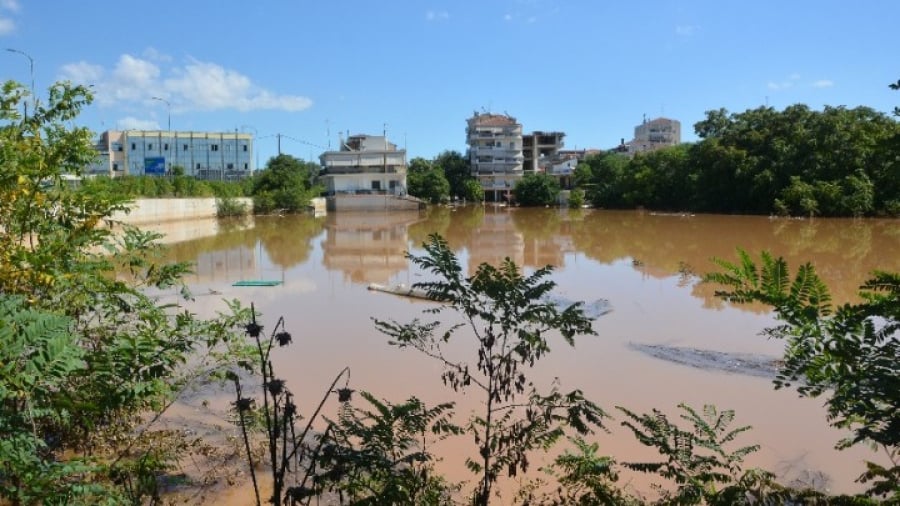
(150, 146)
(115, 166)
(133, 146)
(166, 147)
(245, 167)
(198, 166)
(213, 147)
(245, 148)
(230, 166)
(184, 148)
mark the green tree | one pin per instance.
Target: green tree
(537, 190)
(473, 192)
(419, 165)
(509, 318)
(430, 185)
(847, 354)
(286, 184)
(456, 169)
(88, 360)
(607, 173)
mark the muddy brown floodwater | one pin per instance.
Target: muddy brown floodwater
(640, 262)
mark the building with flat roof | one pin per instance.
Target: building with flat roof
(205, 155)
(495, 153)
(367, 173)
(365, 164)
(541, 149)
(655, 134)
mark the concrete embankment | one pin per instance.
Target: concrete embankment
(155, 211)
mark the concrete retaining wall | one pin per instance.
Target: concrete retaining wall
(373, 203)
(146, 211)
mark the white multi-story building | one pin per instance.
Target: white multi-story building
(365, 164)
(205, 155)
(495, 153)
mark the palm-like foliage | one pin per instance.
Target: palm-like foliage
(849, 353)
(696, 459)
(380, 455)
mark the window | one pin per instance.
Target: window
(230, 166)
(166, 146)
(116, 166)
(184, 148)
(245, 148)
(150, 146)
(376, 185)
(245, 167)
(133, 146)
(198, 166)
(213, 147)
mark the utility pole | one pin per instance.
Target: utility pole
(279, 143)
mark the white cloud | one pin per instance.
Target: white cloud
(151, 53)
(823, 83)
(195, 86)
(82, 72)
(7, 26)
(437, 15)
(685, 30)
(784, 84)
(132, 123)
(507, 17)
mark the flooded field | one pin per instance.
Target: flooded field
(645, 265)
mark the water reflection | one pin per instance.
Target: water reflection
(248, 248)
(368, 247)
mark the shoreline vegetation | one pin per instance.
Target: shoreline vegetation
(90, 361)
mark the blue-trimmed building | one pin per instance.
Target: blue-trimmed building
(205, 155)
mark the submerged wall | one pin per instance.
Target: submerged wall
(147, 211)
(349, 202)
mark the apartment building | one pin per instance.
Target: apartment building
(205, 155)
(495, 153)
(655, 134)
(365, 164)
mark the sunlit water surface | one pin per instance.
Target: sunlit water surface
(644, 264)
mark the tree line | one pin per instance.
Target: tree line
(799, 162)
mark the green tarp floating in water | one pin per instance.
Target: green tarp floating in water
(257, 282)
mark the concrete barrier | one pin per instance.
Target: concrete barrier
(147, 211)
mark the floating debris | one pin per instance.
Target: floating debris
(592, 310)
(750, 364)
(257, 282)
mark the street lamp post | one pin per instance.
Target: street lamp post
(31, 68)
(168, 112)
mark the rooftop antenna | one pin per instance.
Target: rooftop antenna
(328, 134)
(645, 117)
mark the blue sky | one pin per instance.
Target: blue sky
(590, 68)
